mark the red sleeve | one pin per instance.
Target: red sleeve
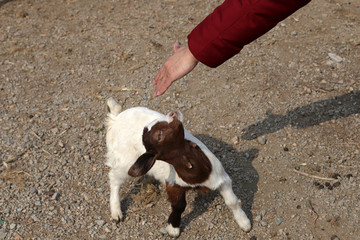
(234, 24)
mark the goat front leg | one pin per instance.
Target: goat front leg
(116, 179)
(233, 203)
(176, 195)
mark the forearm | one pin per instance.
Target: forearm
(234, 24)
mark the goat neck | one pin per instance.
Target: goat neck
(190, 163)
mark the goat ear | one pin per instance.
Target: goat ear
(142, 165)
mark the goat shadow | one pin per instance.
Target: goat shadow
(237, 164)
(239, 167)
(306, 116)
(3, 2)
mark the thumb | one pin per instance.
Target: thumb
(176, 46)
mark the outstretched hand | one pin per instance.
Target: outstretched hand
(178, 65)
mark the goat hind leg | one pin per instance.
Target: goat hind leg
(115, 183)
(233, 203)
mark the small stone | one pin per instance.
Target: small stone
(258, 218)
(235, 140)
(329, 62)
(163, 230)
(3, 234)
(263, 223)
(278, 221)
(262, 213)
(294, 33)
(348, 176)
(100, 222)
(12, 226)
(335, 57)
(55, 130)
(35, 218)
(262, 140)
(61, 144)
(334, 237)
(86, 196)
(22, 14)
(56, 196)
(38, 203)
(33, 191)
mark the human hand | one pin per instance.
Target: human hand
(178, 65)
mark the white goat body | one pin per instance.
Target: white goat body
(125, 146)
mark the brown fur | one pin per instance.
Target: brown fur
(166, 140)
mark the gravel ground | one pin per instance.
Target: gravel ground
(283, 117)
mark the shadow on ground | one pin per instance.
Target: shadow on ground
(306, 116)
(239, 167)
(3, 2)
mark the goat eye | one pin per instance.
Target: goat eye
(159, 136)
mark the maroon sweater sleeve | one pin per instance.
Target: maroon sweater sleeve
(234, 24)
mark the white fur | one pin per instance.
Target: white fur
(173, 232)
(124, 146)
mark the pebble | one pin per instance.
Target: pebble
(335, 57)
(263, 223)
(3, 233)
(56, 196)
(329, 62)
(100, 222)
(334, 237)
(12, 226)
(35, 218)
(163, 230)
(33, 191)
(262, 213)
(278, 221)
(262, 140)
(294, 33)
(86, 196)
(38, 203)
(235, 140)
(258, 218)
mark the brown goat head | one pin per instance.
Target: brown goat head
(166, 141)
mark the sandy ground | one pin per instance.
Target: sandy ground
(283, 117)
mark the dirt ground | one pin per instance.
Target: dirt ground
(283, 117)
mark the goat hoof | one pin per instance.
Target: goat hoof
(117, 218)
(246, 227)
(173, 231)
(117, 221)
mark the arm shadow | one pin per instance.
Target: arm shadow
(306, 116)
(3, 2)
(239, 167)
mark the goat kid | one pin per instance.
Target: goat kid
(138, 138)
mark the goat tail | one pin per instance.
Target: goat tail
(113, 107)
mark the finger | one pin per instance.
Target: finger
(161, 88)
(159, 76)
(176, 46)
